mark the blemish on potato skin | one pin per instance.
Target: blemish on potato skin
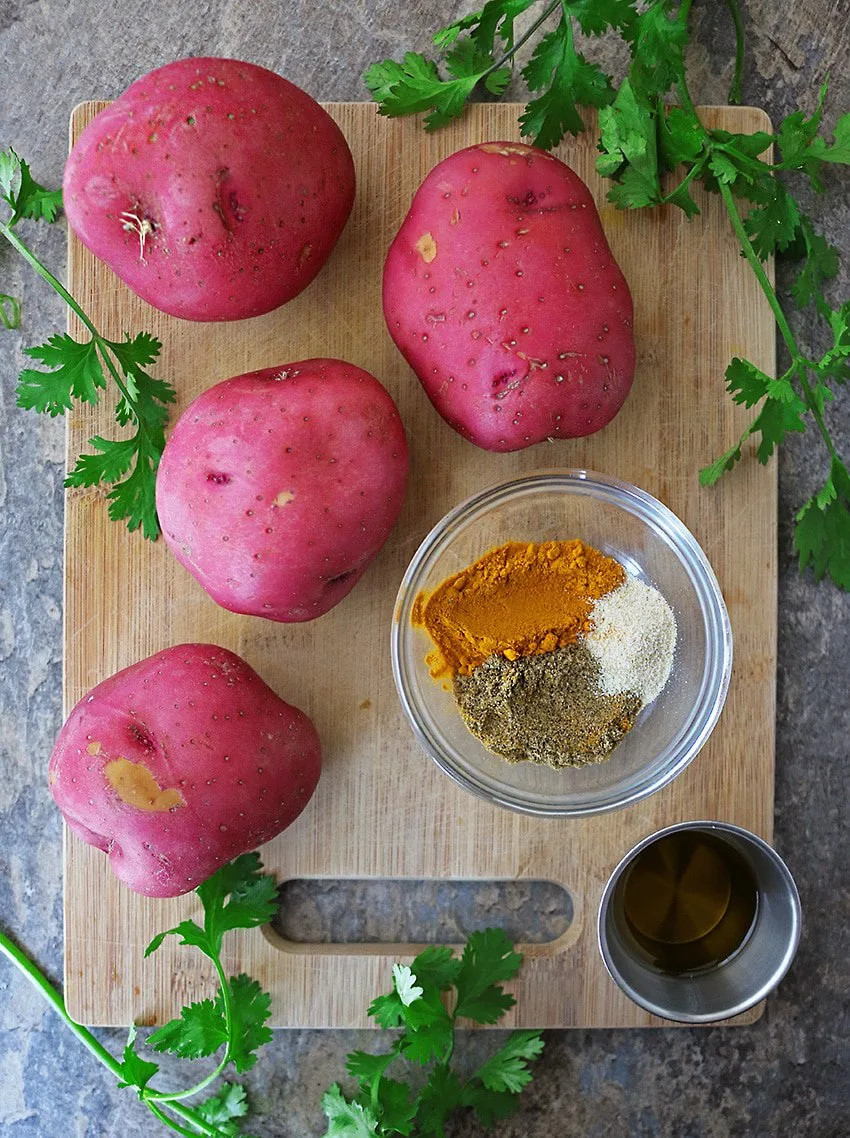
(93, 748)
(426, 247)
(134, 783)
(283, 498)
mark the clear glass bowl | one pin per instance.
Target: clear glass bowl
(652, 544)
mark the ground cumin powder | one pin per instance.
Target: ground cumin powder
(545, 709)
(517, 600)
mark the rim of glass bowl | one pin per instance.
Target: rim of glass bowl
(669, 528)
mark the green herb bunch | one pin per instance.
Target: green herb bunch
(654, 147)
(237, 896)
(233, 1025)
(427, 999)
(78, 370)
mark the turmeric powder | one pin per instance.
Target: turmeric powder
(517, 600)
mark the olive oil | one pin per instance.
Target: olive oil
(689, 901)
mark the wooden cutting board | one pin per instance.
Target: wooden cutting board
(382, 808)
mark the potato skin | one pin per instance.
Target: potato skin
(277, 488)
(209, 731)
(246, 181)
(501, 292)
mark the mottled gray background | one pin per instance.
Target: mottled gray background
(787, 1074)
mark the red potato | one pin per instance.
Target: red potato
(277, 488)
(179, 763)
(215, 189)
(502, 294)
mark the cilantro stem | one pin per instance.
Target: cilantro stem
(694, 172)
(186, 1113)
(10, 311)
(46, 275)
(176, 1096)
(757, 267)
(37, 978)
(524, 38)
(58, 287)
(175, 1126)
(798, 361)
(735, 88)
(227, 1006)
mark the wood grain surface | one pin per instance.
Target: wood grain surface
(382, 808)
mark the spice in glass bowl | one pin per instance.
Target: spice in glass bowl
(552, 649)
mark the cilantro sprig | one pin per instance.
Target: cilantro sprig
(654, 151)
(73, 370)
(237, 896)
(428, 997)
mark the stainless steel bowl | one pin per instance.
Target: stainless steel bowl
(733, 985)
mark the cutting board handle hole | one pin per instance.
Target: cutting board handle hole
(381, 912)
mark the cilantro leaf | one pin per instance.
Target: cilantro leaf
(445, 37)
(820, 264)
(250, 1008)
(431, 1040)
(681, 137)
(776, 419)
(415, 85)
(507, 1070)
(835, 362)
(627, 135)
(715, 470)
(723, 167)
(10, 166)
(237, 896)
(228, 1103)
(567, 81)
(746, 383)
(34, 201)
(75, 372)
(839, 151)
(347, 1119)
(498, 17)
(439, 1097)
(405, 984)
(397, 1109)
(773, 225)
(822, 532)
(428, 1037)
(114, 460)
(803, 148)
(200, 1030)
(732, 160)
(595, 17)
(132, 499)
(387, 1010)
(658, 45)
(681, 196)
(365, 1067)
(490, 1106)
(436, 967)
(629, 151)
(23, 193)
(135, 1071)
(488, 957)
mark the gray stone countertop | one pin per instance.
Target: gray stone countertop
(786, 1074)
